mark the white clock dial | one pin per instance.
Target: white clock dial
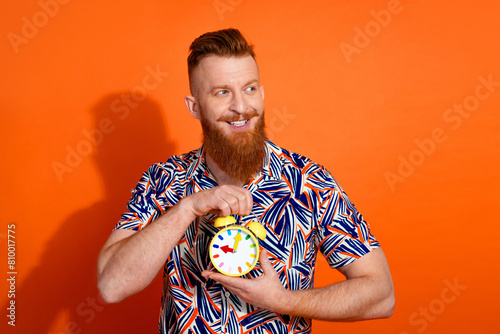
(234, 251)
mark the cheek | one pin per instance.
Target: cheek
(209, 112)
(258, 101)
(259, 106)
(215, 108)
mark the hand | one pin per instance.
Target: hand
(265, 291)
(222, 200)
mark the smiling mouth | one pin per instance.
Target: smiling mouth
(239, 123)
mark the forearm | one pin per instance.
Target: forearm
(129, 261)
(368, 292)
(129, 265)
(359, 298)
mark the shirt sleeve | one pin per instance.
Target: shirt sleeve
(344, 235)
(145, 205)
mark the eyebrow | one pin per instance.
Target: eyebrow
(227, 86)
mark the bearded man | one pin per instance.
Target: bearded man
(237, 171)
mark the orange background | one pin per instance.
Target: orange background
(362, 87)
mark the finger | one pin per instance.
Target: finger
(225, 199)
(246, 202)
(206, 273)
(218, 277)
(224, 209)
(231, 204)
(215, 212)
(244, 197)
(239, 200)
(226, 281)
(266, 266)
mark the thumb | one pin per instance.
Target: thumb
(267, 267)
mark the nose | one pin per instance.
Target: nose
(239, 103)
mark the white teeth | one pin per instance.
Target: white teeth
(239, 123)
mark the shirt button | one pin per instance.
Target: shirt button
(228, 294)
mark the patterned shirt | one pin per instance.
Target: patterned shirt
(303, 210)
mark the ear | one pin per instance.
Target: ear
(192, 106)
(261, 88)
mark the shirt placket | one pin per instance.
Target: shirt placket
(225, 310)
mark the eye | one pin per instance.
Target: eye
(222, 92)
(251, 89)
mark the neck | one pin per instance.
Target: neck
(220, 176)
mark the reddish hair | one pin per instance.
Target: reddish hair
(224, 43)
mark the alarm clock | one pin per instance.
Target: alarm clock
(234, 250)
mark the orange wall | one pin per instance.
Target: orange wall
(399, 99)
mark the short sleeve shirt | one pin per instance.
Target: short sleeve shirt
(303, 210)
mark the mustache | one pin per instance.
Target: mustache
(234, 118)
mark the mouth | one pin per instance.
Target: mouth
(238, 123)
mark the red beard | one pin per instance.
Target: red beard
(241, 155)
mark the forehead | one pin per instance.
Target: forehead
(215, 70)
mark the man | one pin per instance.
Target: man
(238, 172)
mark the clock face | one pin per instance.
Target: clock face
(234, 251)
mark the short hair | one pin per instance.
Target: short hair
(224, 43)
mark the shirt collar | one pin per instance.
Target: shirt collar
(273, 163)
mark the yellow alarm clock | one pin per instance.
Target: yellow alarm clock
(234, 250)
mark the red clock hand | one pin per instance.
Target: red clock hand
(226, 249)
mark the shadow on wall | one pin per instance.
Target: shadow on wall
(64, 283)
